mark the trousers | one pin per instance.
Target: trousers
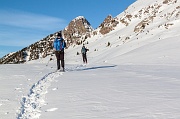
(60, 57)
(84, 57)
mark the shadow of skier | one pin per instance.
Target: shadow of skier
(97, 67)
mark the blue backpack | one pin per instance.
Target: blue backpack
(59, 44)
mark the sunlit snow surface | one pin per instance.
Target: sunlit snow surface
(134, 79)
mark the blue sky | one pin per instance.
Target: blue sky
(23, 22)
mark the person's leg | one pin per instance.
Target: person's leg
(58, 64)
(83, 55)
(85, 58)
(58, 59)
(62, 59)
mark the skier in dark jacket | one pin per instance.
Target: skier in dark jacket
(58, 45)
(83, 51)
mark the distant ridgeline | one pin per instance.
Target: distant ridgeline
(32, 52)
(76, 33)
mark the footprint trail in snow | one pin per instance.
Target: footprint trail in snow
(31, 104)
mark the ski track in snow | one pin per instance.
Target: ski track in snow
(31, 104)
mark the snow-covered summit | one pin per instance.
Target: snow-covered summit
(78, 18)
(142, 14)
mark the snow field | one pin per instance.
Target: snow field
(126, 91)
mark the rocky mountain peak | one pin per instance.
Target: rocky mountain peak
(77, 31)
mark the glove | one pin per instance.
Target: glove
(54, 50)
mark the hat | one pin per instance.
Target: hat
(59, 34)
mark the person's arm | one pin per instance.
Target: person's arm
(64, 44)
(53, 45)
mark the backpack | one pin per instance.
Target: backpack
(59, 44)
(83, 50)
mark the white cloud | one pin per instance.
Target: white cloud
(29, 20)
(18, 28)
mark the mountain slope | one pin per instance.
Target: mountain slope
(141, 25)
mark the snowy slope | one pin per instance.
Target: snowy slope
(135, 77)
(99, 91)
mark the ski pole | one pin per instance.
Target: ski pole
(49, 60)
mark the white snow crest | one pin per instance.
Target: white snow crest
(31, 104)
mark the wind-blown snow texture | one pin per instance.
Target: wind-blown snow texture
(132, 73)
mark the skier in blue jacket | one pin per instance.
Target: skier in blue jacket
(58, 45)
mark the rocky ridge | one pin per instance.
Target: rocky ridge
(76, 33)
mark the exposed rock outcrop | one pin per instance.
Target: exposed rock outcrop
(108, 25)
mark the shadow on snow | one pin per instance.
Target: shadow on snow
(93, 68)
